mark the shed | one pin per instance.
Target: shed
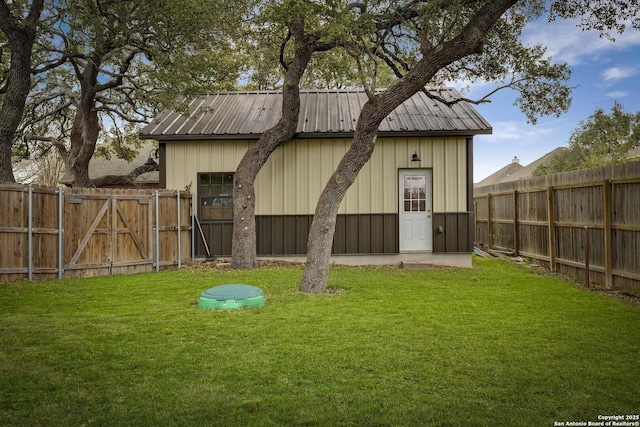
(411, 202)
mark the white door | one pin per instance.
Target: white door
(415, 210)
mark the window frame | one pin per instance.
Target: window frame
(205, 193)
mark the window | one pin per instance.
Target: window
(214, 192)
(415, 193)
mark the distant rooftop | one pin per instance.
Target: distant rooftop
(515, 171)
(246, 115)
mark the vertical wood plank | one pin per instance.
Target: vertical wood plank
(586, 256)
(606, 209)
(552, 230)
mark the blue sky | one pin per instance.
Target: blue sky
(603, 71)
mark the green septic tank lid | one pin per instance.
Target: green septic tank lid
(232, 296)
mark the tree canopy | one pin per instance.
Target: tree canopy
(106, 66)
(600, 140)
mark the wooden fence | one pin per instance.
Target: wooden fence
(583, 224)
(66, 232)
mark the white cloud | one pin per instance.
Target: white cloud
(519, 132)
(616, 94)
(567, 43)
(617, 73)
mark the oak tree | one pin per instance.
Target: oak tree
(310, 28)
(119, 62)
(470, 39)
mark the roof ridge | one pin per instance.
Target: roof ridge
(279, 92)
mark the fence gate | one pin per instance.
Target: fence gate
(108, 231)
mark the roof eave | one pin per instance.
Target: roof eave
(318, 135)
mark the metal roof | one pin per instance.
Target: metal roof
(323, 113)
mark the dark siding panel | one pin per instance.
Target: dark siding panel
(282, 234)
(351, 234)
(456, 235)
(340, 236)
(162, 161)
(377, 234)
(364, 234)
(439, 238)
(263, 228)
(466, 225)
(276, 235)
(303, 223)
(287, 235)
(451, 231)
(390, 233)
(218, 237)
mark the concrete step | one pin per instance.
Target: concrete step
(417, 265)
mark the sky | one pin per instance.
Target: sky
(603, 71)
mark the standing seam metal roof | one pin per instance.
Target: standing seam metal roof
(323, 113)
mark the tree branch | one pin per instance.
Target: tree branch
(119, 77)
(282, 48)
(54, 141)
(51, 65)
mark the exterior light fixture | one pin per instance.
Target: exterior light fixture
(415, 157)
(150, 161)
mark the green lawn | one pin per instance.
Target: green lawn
(496, 345)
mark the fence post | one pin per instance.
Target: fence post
(489, 224)
(606, 206)
(193, 227)
(516, 232)
(551, 248)
(157, 231)
(179, 227)
(60, 232)
(30, 233)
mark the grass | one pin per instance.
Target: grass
(493, 345)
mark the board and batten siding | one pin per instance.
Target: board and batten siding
(293, 178)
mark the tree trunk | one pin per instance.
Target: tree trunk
(469, 41)
(84, 136)
(316, 271)
(243, 248)
(18, 79)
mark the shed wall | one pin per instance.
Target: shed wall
(293, 178)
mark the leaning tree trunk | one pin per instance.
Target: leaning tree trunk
(18, 79)
(468, 41)
(316, 271)
(243, 249)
